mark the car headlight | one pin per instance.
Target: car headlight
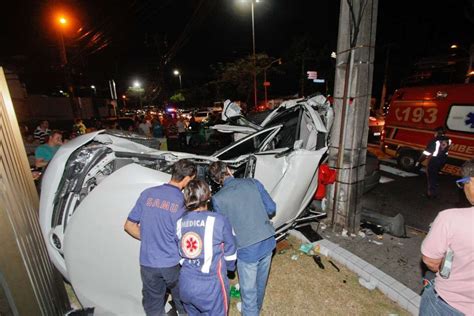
(56, 241)
(75, 172)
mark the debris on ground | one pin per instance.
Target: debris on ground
(334, 265)
(282, 246)
(384, 224)
(344, 233)
(402, 261)
(361, 234)
(370, 285)
(322, 251)
(317, 259)
(239, 306)
(294, 257)
(307, 249)
(376, 242)
(235, 291)
(324, 287)
(371, 229)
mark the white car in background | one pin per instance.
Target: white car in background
(93, 181)
(202, 116)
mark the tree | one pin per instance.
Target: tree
(235, 79)
(178, 98)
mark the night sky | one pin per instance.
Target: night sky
(133, 35)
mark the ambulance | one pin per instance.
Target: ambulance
(413, 115)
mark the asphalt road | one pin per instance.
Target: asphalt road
(406, 195)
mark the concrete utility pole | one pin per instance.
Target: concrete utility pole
(352, 93)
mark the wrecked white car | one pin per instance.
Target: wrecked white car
(94, 180)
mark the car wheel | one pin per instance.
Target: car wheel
(407, 159)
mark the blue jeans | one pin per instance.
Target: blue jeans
(253, 278)
(155, 282)
(432, 304)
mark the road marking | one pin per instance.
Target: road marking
(397, 172)
(384, 179)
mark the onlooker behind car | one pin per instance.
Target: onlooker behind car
(448, 250)
(44, 153)
(79, 128)
(159, 134)
(42, 131)
(144, 127)
(181, 126)
(194, 125)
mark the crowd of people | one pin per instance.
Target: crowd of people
(43, 142)
(187, 247)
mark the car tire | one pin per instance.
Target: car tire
(407, 159)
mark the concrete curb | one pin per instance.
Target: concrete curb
(393, 289)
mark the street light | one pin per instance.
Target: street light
(62, 21)
(265, 83)
(136, 84)
(177, 73)
(252, 5)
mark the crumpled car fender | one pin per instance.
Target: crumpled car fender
(102, 260)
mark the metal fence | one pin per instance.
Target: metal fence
(29, 284)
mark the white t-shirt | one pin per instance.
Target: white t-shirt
(145, 128)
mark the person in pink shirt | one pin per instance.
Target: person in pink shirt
(452, 293)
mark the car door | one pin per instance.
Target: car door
(247, 145)
(287, 162)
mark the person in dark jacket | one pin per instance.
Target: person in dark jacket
(248, 206)
(207, 245)
(437, 152)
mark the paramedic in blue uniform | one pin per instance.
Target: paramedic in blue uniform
(437, 153)
(153, 221)
(207, 246)
(248, 206)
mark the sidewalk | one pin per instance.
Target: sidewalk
(395, 262)
(398, 257)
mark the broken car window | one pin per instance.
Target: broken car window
(248, 145)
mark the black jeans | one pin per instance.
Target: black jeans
(434, 167)
(155, 282)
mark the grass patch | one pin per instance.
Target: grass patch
(300, 287)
